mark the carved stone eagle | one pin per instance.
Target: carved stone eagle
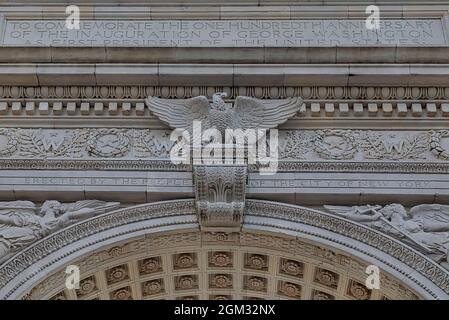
(246, 113)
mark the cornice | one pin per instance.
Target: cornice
(232, 75)
(325, 106)
(203, 9)
(226, 55)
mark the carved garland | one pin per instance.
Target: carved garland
(135, 144)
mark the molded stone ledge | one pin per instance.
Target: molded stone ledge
(110, 74)
(311, 188)
(127, 186)
(219, 75)
(224, 55)
(260, 12)
(210, 9)
(225, 74)
(54, 74)
(183, 12)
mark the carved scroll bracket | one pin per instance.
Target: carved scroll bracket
(220, 196)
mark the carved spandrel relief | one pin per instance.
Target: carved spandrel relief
(23, 223)
(424, 227)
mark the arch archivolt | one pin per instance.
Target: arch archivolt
(157, 250)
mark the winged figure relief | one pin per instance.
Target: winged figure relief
(425, 227)
(246, 112)
(22, 222)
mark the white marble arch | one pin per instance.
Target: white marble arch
(34, 264)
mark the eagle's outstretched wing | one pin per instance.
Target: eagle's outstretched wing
(179, 113)
(263, 114)
(434, 212)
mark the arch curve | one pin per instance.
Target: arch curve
(34, 264)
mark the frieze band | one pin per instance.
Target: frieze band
(145, 144)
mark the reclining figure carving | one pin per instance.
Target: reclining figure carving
(424, 227)
(23, 223)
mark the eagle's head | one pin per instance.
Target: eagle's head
(217, 101)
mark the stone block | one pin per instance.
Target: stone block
(30, 108)
(126, 108)
(98, 108)
(43, 108)
(71, 108)
(387, 109)
(57, 108)
(431, 109)
(344, 109)
(85, 108)
(16, 108)
(112, 108)
(3, 108)
(417, 110)
(358, 109)
(402, 109)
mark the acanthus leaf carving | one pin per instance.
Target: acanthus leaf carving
(220, 196)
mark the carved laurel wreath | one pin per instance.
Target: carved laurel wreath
(32, 144)
(11, 145)
(435, 144)
(321, 146)
(119, 147)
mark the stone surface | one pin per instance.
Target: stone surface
(369, 126)
(224, 33)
